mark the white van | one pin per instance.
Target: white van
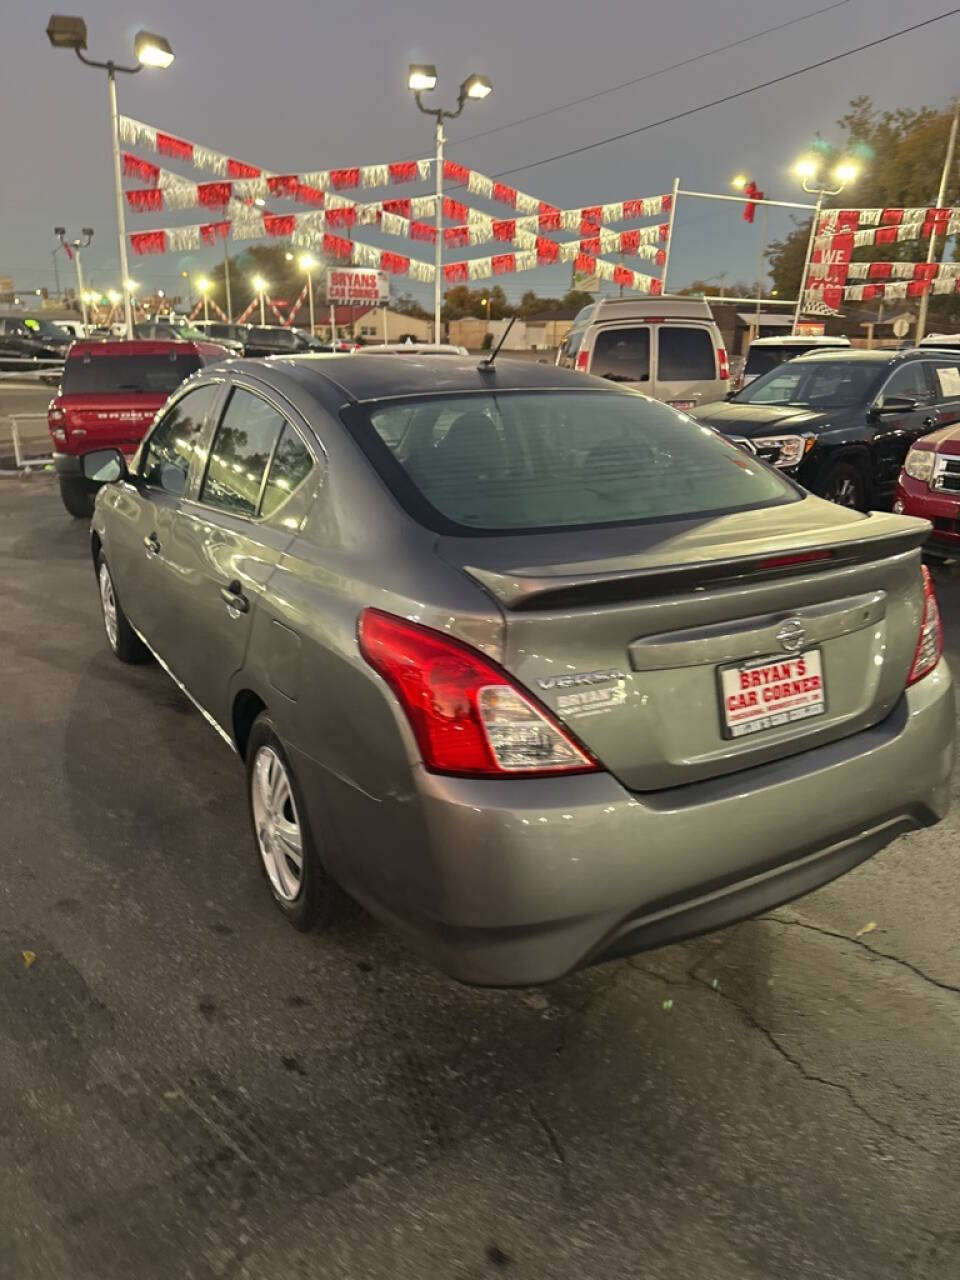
(765, 354)
(669, 348)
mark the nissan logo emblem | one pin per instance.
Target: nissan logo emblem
(792, 635)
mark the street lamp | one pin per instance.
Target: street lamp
(815, 181)
(308, 264)
(260, 286)
(422, 78)
(151, 51)
(204, 285)
(72, 249)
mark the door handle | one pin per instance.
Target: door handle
(151, 545)
(234, 599)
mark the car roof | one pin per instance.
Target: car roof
(797, 339)
(883, 356)
(395, 375)
(143, 347)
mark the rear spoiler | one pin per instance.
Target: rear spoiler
(523, 590)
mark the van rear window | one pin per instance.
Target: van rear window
(547, 460)
(152, 373)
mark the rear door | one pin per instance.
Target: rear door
(945, 371)
(686, 371)
(227, 542)
(621, 353)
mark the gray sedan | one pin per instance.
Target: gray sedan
(537, 669)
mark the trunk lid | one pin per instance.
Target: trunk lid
(105, 419)
(623, 632)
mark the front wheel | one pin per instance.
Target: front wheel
(121, 637)
(844, 484)
(76, 496)
(300, 885)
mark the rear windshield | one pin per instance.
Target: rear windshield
(128, 373)
(814, 384)
(550, 460)
(763, 359)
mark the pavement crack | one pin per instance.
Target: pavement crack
(811, 1076)
(793, 922)
(549, 1133)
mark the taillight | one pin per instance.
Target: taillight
(723, 364)
(583, 361)
(55, 415)
(467, 715)
(930, 643)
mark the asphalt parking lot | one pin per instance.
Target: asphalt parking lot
(190, 1088)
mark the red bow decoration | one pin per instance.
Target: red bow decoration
(754, 193)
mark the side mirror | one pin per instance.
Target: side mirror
(104, 466)
(896, 404)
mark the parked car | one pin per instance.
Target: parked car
(669, 348)
(232, 335)
(765, 354)
(942, 341)
(32, 345)
(109, 393)
(840, 422)
(929, 486)
(533, 667)
(75, 328)
(176, 331)
(276, 340)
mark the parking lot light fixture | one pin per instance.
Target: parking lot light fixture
(846, 172)
(260, 286)
(809, 170)
(151, 51)
(308, 264)
(422, 79)
(739, 182)
(74, 248)
(806, 168)
(204, 285)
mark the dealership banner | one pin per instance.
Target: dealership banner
(348, 285)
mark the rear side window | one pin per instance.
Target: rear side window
(546, 460)
(292, 463)
(946, 374)
(84, 375)
(240, 454)
(176, 439)
(685, 354)
(622, 355)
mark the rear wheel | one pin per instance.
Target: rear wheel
(121, 637)
(844, 483)
(77, 497)
(289, 857)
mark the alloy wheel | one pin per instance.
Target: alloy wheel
(844, 492)
(108, 601)
(277, 824)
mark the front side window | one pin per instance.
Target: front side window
(240, 453)
(176, 439)
(571, 345)
(685, 354)
(546, 460)
(292, 463)
(814, 384)
(910, 380)
(622, 355)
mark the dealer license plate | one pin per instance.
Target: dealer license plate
(772, 692)
(682, 405)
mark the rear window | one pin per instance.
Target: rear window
(763, 359)
(550, 460)
(622, 355)
(85, 374)
(685, 354)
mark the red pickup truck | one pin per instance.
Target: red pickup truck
(929, 486)
(109, 395)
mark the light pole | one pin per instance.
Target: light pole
(151, 51)
(308, 264)
(204, 285)
(932, 248)
(742, 183)
(260, 285)
(130, 288)
(72, 249)
(423, 79)
(809, 171)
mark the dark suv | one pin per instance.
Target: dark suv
(841, 422)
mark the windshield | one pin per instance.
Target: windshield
(548, 459)
(814, 384)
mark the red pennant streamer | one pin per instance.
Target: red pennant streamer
(169, 145)
(145, 200)
(455, 172)
(424, 231)
(406, 171)
(456, 235)
(342, 178)
(279, 224)
(503, 263)
(453, 272)
(505, 194)
(337, 247)
(149, 242)
(134, 167)
(211, 232)
(214, 195)
(396, 263)
(237, 169)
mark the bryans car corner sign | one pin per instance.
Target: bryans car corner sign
(354, 284)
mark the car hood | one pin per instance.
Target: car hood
(760, 419)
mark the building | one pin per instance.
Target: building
(369, 326)
(542, 331)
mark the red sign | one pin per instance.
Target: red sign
(354, 284)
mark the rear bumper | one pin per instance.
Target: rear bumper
(520, 881)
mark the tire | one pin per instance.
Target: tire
(306, 895)
(121, 637)
(77, 497)
(844, 483)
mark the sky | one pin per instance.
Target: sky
(292, 86)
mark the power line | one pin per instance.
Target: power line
(650, 75)
(730, 97)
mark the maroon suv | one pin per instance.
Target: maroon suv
(109, 395)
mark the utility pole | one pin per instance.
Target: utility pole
(932, 250)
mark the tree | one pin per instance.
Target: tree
(577, 298)
(283, 276)
(715, 287)
(902, 154)
(407, 305)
